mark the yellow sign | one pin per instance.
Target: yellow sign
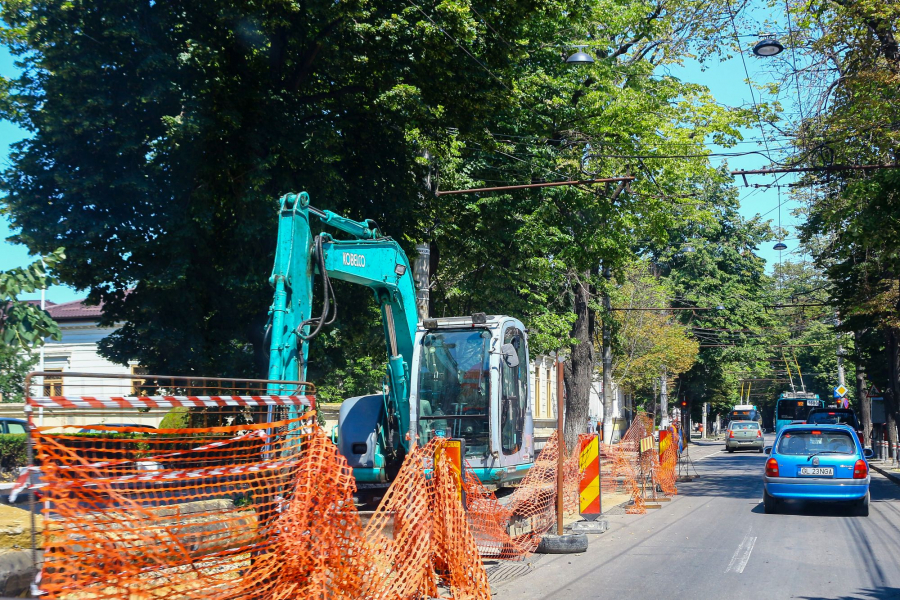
(589, 485)
(453, 452)
(647, 443)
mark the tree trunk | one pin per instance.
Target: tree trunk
(579, 369)
(865, 403)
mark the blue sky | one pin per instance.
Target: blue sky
(726, 80)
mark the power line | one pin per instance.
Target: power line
(749, 84)
(461, 47)
(535, 185)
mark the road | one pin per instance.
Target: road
(714, 541)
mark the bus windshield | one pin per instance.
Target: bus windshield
(791, 410)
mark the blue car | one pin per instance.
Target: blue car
(818, 463)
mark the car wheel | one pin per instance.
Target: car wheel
(862, 509)
(730, 449)
(770, 504)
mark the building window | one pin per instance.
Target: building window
(137, 385)
(53, 384)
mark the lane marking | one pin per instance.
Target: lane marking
(741, 555)
(711, 454)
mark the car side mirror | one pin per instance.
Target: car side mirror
(868, 452)
(767, 450)
(510, 356)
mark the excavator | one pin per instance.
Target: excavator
(458, 377)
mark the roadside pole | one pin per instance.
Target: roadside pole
(607, 365)
(705, 410)
(577, 541)
(561, 443)
(663, 400)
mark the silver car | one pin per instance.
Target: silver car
(744, 435)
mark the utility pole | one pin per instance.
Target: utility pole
(607, 363)
(421, 277)
(840, 357)
(705, 410)
(663, 400)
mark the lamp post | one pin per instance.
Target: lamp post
(581, 57)
(768, 46)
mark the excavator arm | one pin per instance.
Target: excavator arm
(372, 260)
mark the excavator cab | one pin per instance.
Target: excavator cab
(470, 381)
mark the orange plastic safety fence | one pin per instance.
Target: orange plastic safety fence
(641, 473)
(512, 529)
(265, 511)
(175, 512)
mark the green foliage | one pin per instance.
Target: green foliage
(362, 375)
(550, 332)
(178, 417)
(645, 340)
(14, 366)
(161, 136)
(24, 325)
(13, 453)
(722, 270)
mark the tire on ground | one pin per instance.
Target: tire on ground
(862, 507)
(570, 543)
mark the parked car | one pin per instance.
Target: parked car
(818, 463)
(10, 425)
(744, 435)
(835, 416)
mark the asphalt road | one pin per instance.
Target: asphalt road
(715, 541)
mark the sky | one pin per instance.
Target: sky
(726, 80)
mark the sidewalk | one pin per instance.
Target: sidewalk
(884, 467)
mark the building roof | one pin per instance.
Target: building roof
(76, 310)
(47, 303)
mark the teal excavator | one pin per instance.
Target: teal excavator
(456, 377)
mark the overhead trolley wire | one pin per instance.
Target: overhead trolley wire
(461, 47)
(749, 83)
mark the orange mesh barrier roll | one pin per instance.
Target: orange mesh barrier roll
(247, 499)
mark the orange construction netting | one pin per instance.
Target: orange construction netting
(513, 529)
(244, 510)
(637, 469)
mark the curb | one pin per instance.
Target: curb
(895, 477)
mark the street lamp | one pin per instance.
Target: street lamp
(581, 57)
(768, 46)
(780, 246)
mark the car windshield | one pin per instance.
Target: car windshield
(834, 417)
(747, 425)
(812, 441)
(454, 382)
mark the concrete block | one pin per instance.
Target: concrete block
(598, 526)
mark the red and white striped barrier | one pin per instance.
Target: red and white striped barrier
(117, 402)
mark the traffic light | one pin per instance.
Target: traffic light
(684, 404)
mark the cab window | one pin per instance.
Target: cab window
(513, 395)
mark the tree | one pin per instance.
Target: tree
(23, 325)
(645, 340)
(161, 136)
(711, 264)
(537, 252)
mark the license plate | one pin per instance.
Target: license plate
(820, 471)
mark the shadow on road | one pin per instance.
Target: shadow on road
(737, 475)
(883, 593)
(884, 490)
(810, 509)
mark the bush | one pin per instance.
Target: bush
(13, 453)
